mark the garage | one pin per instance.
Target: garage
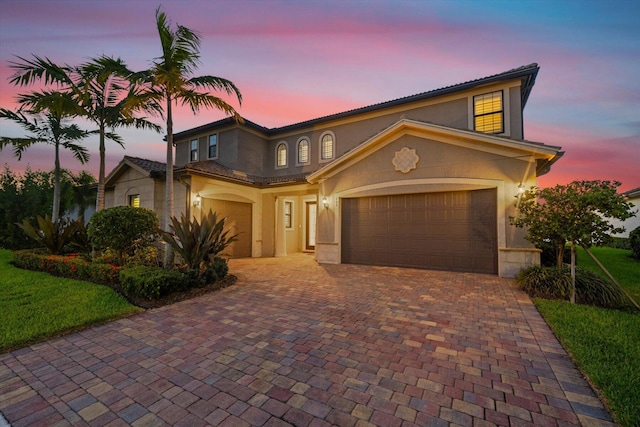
(238, 220)
(453, 231)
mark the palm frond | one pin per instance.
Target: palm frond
(216, 83)
(28, 71)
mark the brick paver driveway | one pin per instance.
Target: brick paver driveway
(295, 343)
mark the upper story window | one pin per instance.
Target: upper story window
(134, 200)
(213, 146)
(488, 112)
(303, 151)
(281, 155)
(327, 146)
(194, 150)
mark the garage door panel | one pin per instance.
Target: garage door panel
(238, 221)
(447, 231)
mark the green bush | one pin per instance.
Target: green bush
(551, 283)
(123, 229)
(634, 242)
(544, 282)
(620, 243)
(70, 266)
(55, 236)
(151, 282)
(593, 289)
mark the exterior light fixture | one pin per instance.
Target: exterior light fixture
(325, 202)
(520, 188)
(197, 200)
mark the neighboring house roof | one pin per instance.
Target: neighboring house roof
(214, 169)
(527, 73)
(146, 167)
(544, 155)
(632, 194)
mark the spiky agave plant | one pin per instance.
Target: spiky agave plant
(198, 243)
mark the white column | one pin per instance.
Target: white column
(281, 234)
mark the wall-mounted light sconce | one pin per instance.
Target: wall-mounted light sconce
(325, 202)
(521, 188)
(197, 200)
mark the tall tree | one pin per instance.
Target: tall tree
(104, 92)
(46, 120)
(577, 213)
(170, 81)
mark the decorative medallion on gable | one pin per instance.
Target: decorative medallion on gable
(405, 160)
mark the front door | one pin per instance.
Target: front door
(310, 232)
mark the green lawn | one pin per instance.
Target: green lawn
(605, 344)
(624, 268)
(35, 306)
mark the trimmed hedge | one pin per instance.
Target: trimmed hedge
(151, 282)
(551, 283)
(70, 266)
(136, 282)
(634, 242)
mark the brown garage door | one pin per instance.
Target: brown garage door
(453, 231)
(238, 220)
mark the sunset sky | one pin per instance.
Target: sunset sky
(298, 60)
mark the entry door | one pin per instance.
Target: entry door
(310, 239)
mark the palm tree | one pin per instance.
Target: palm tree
(102, 89)
(170, 80)
(46, 121)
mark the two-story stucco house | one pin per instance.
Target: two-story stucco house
(426, 181)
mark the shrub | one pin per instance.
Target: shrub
(545, 282)
(198, 244)
(151, 282)
(593, 289)
(123, 229)
(71, 266)
(551, 283)
(634, 242)
(620, 243)
(55, 236)
(80, 239)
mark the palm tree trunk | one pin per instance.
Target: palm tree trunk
(101, 178)
(56, 184)
(168, 194)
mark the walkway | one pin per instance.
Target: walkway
(295, 343)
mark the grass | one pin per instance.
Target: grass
(35, 306)
(604, 343)
(624, 268)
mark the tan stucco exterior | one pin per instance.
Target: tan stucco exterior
(437, 126)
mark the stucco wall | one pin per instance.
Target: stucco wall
(631, 223)
(442, 167)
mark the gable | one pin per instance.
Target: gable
(473, 141)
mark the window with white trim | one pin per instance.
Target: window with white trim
(288, 215)
(303, 151)
(213, 146)
(281, 155)
(488, 112)
(327, 146)
(134, 200)
(194, 150)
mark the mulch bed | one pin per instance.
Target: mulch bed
(175, 297)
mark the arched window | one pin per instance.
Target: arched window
(303, 151)
(281, 155)
(327, 146)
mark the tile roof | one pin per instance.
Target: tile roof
(526, 72)
(148, 165)
(211, 167)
